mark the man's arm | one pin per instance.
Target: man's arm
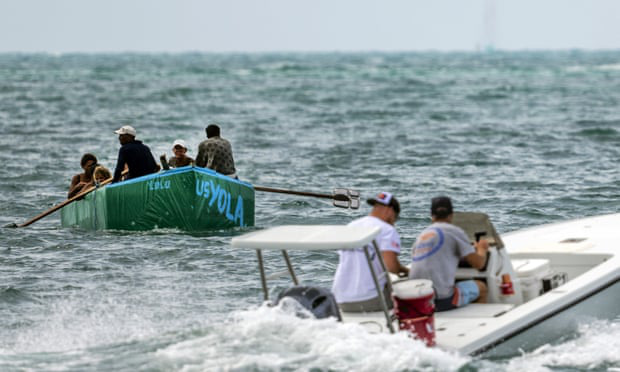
(200, 158)
(75, 181)
(120, 165)
(392, 264)
(479, 258)
(155, 167)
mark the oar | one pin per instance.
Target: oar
(66, 202)
(343, 198)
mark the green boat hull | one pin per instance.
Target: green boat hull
(188, 198)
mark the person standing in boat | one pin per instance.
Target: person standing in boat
(436, 255)
(180, 158)
(353, 286)
(133, 154)
(216, 153)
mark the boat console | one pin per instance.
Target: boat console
(509, 281)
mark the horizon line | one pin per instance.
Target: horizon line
(334, 51)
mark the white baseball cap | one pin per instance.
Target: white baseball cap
(387, 199)
(179, 143)
(126, 129)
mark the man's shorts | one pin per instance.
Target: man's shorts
(465, 292)
(373, 304)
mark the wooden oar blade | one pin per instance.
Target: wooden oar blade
(345, 198)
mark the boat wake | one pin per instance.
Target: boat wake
(277, 338)
(595, 347)
(274, 338)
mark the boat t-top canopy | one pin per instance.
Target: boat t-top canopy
(307, 237)
(316, 237)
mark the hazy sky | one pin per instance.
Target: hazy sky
(295, 25)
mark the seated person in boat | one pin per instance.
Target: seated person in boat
(133, 154)
(180, 158)
(436, 254)
(216, 153)
(80, 181)
(353, 286)
(101, 174)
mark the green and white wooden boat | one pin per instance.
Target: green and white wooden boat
(187, 198)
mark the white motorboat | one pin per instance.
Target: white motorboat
(543, 281)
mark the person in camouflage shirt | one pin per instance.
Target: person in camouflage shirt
(216, 153)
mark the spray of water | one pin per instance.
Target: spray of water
(595, 348)
(274, 338)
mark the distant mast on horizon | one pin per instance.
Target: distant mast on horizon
(487, 43)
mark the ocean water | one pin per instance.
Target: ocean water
(528, 138)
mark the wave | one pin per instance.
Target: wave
(273, 338)
(599, 134)
(595, 348)
(603, 67)
(12, 295)
(609, 67)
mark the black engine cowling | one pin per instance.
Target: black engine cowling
(319, 301)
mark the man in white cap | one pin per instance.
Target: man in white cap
(180, 159)
(133, 154)
(353, 286)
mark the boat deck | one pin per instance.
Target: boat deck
(454, 328)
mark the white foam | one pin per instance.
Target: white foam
(576, 69)
(596, 347)
(274, 338)
(74, 324)
(609, 67)
(606, 67)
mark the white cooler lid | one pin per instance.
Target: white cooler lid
(530, 267)
(412, 288)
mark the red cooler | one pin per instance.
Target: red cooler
(414, 306)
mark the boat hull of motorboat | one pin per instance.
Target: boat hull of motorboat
(558, 326)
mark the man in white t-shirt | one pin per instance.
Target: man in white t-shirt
(354, 287)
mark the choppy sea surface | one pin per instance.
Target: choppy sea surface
(529, 138)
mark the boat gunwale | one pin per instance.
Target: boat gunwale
(543, 318)
(180, 170)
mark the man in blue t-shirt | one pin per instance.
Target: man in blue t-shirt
(436, 254)
(133, 154)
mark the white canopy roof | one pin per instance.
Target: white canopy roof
(307, 237)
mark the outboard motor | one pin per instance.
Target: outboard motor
(414, 306)
(319, 301)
